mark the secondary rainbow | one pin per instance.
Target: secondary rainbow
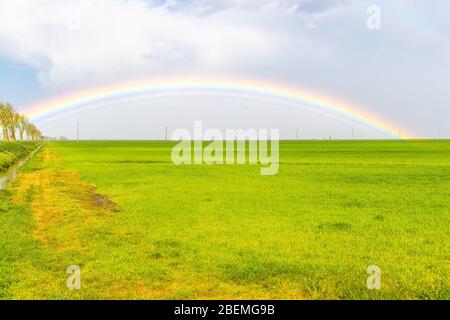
(94, 96)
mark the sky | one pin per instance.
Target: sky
(399, 72)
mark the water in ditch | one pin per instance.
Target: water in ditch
(9, 174)
(12, 172)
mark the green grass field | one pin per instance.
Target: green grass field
(10, 152)
(141, 227)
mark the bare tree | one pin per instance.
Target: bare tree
(12, 122)
(23, 123)
(6, 118)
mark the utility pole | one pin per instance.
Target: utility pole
(166, 134)
(78, 131)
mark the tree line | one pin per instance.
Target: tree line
(15, 126)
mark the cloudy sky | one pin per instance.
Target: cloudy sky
(400, 72)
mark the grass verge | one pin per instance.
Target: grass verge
(11, 152)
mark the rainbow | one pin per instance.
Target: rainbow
(59, 105)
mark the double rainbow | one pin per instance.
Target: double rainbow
(47, 109)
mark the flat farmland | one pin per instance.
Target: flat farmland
(139, 226)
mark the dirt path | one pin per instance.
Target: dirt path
(60, 201)
(71, 221)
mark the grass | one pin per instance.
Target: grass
(10, 152)
(141, 227)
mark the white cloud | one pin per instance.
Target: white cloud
(71, 43)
